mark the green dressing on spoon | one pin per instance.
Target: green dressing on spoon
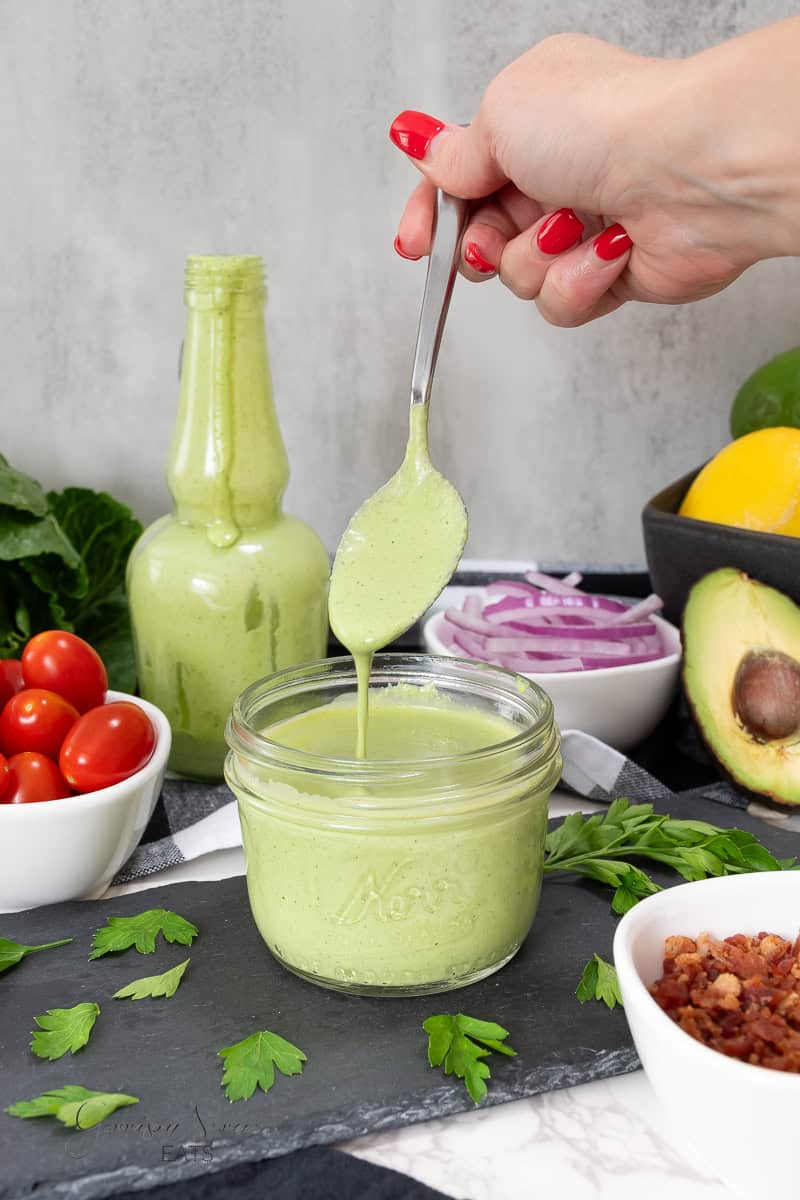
(396, 555)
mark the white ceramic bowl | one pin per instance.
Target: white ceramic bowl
(618, 705)
(70, 849)
(738, 1120)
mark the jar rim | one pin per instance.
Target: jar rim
(528, 697)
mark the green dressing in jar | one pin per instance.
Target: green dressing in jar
(418, 869)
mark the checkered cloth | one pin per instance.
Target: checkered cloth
(202, 817)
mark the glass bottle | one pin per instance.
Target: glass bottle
(227, 587)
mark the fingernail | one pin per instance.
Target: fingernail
(611, 243)
(473, 256)
(413, 132)
(402, 253)
(561, 230)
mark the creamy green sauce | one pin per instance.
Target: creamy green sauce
(410, 898)
(227, 588)
(396, 555)
(406, 723)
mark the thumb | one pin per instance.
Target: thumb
(458, 160)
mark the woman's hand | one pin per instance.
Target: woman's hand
(598, 176)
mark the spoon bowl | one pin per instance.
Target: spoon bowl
(399, 550)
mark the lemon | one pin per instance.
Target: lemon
(753, 483)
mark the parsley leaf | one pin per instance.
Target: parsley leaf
(599, 982)
(599, 846)
(251, 1063)
(120, 933)
(63, 1030)
(154, 985)
(75, 1106)
(12, 952)
(462, 1043)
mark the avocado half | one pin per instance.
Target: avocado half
(741, 672)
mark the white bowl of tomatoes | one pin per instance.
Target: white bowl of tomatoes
(81, 769)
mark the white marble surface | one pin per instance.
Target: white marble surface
(135, 132)
(608, 1140)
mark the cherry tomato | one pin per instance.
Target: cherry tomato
(36, 720)
(33, 777)
(64, 663)
(4, 776)
(106, 745)
(11, 680)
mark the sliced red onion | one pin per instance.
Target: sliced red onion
(530, 622)
(560, 606)
(547, 625)
(568, 645)
(473, 646)
(446, 634)
(472, 624)
(510, 587)
(548, 584)
(645, 608)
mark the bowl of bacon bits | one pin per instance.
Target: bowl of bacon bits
(710, 979)
(610, 667)
(81, 769)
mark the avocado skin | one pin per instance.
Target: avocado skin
(727, 617)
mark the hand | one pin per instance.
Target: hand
(596, 177)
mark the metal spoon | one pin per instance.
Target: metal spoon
(450, 215)
(403, 544)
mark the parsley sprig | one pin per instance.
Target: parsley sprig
(461, 1044)
(141, 931)
(64, 1030)
(153, 986)
(75, 1106)
(251, 1063)
(599, 982)
(13, 952)
(599, 846)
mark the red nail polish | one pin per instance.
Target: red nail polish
(560, 231)
(473, 256)
(402, 253)
(413, 132)
(611, 243)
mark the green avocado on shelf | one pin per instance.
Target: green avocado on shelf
(771, 396)
(62, 566)
(741, 673)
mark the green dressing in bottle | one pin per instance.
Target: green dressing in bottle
(227, 588)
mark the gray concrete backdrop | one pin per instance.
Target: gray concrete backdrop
(133, 132)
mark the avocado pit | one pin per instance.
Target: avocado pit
(766, 694)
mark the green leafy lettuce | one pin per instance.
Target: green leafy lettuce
(62, 566)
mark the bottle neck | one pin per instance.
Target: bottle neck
(227, 469)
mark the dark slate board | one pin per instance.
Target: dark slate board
(367, 1067)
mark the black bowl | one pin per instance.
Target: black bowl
(681, 550)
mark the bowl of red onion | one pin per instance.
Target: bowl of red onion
(610, 667)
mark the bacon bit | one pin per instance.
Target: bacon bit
(740, 996)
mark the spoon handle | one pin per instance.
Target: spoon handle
(449, 219)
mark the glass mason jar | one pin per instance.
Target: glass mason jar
(393, 878)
